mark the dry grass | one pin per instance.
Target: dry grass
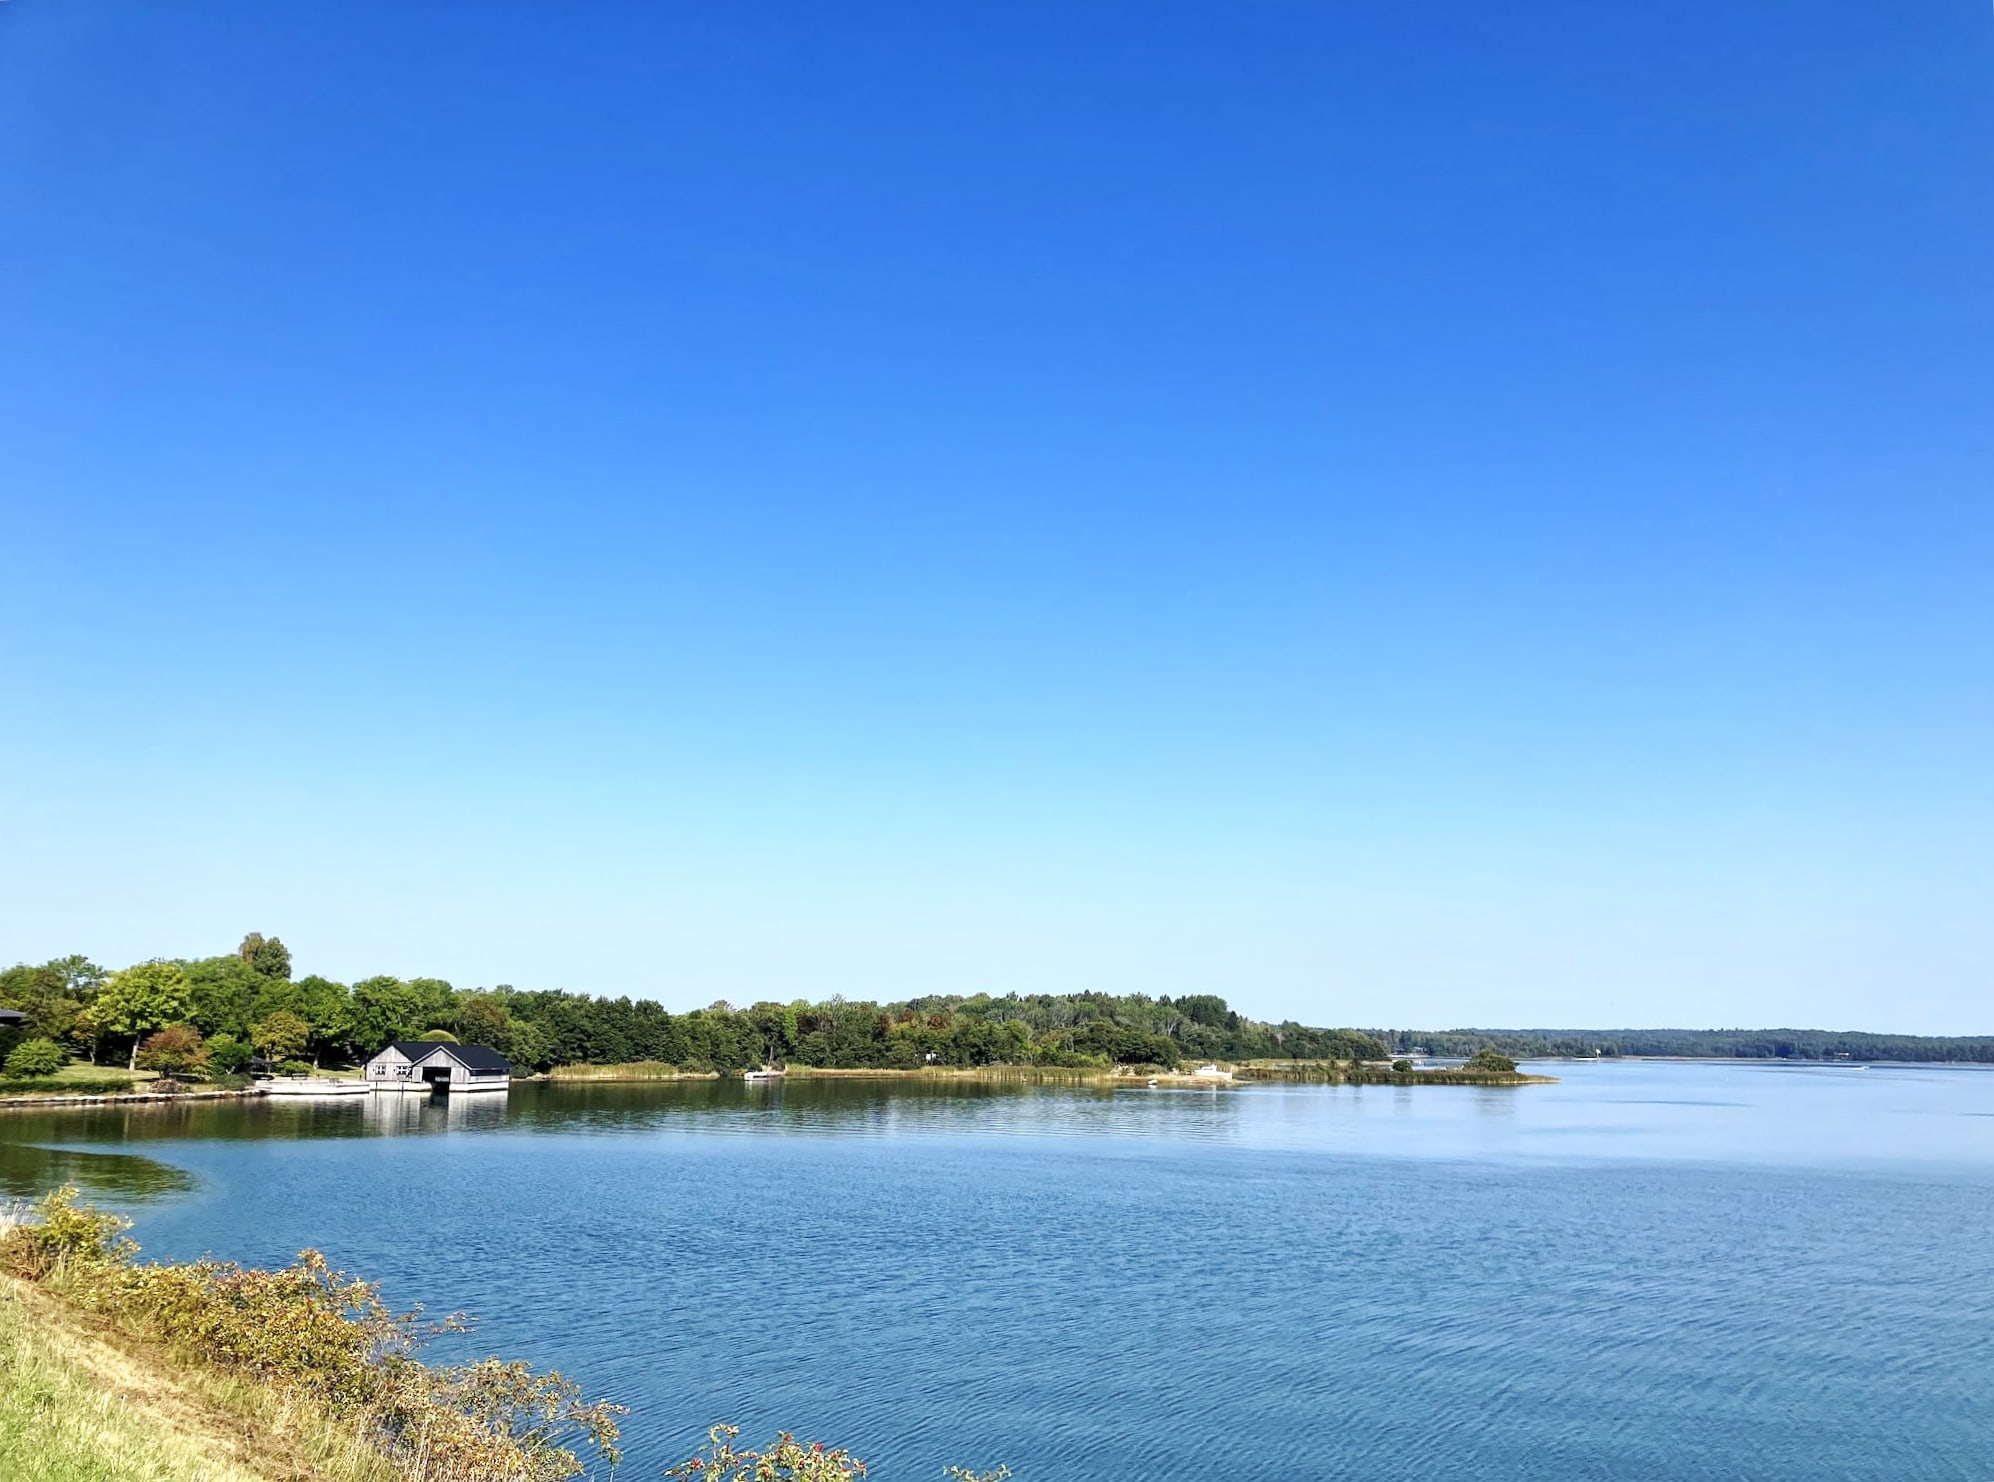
(80, 1402)
(637, 1070)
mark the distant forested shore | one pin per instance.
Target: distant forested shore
(1701, 1044)
(200, 1017)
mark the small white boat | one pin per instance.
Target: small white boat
(311, 1085)
(761, 1075)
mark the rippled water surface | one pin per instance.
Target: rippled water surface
(1648, 1271)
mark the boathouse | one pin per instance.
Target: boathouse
(425, 1065)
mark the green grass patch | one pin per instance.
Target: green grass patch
(55, 1085)
(82, 1070)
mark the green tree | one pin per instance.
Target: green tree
(86, 1034)
(384, 1009)
(226, 994)
(328, 1008)
(1488, 1059)
(227, 1054)
(436, 1002)
(527, 1045)
(483, 1020)
(282, 1036)
(141, 998)
(81, 978)
(36, 1057)
(268, 955)
(44, 996)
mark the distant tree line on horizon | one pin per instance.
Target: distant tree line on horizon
(210, 1015)
(1711, 1044)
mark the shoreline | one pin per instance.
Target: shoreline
(1113, 1078)
(1241, 1074)
(123, 1098)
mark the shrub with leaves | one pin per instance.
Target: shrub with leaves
(36, 1057)
(227, 1054)
(314, 1335)
(786, 1460)
(66, 1237)
(1491, 1060)
(281, 1036)
(176, 1051)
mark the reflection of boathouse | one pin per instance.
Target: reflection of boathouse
(422, 1065)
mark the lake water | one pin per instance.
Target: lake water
(1648, 1271)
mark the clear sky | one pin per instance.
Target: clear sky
(1398, 514)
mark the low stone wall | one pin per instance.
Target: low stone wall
(121, 1098)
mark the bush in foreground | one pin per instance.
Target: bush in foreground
(788, 1460)
(36, 1057)
(1491, 1060)
(320, 1339)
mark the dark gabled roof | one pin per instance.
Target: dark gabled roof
(12, 1016)
(471, 1057)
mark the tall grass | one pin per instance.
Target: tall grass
(635, 1070)
(65, 1419)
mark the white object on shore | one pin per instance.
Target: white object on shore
(420, 1066)
(311, 1085)
(1214, 1072)
(760, 1075)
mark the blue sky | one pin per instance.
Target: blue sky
(1415, 514)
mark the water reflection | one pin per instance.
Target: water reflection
(1716, 1113)
(27, 1171)
(389, 1116)
(863, 1108)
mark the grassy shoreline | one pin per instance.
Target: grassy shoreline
(117, 1370)
(112, 1368)
(81, 1401)
(1242, 1074)
(80, 1092)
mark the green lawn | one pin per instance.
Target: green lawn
(83, 1070)
(76, 1080)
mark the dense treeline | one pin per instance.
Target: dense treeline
(1736, 1044)
(188, 1017)
(208, 1014)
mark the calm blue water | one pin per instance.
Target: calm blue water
(1649, 1271)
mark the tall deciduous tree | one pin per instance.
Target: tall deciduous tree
(328, 1008)
(282, 1036)
(436, 1002)
(384, 1009)
(268, 955)
(225, 992)
(483, 1020)
(141, 998)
